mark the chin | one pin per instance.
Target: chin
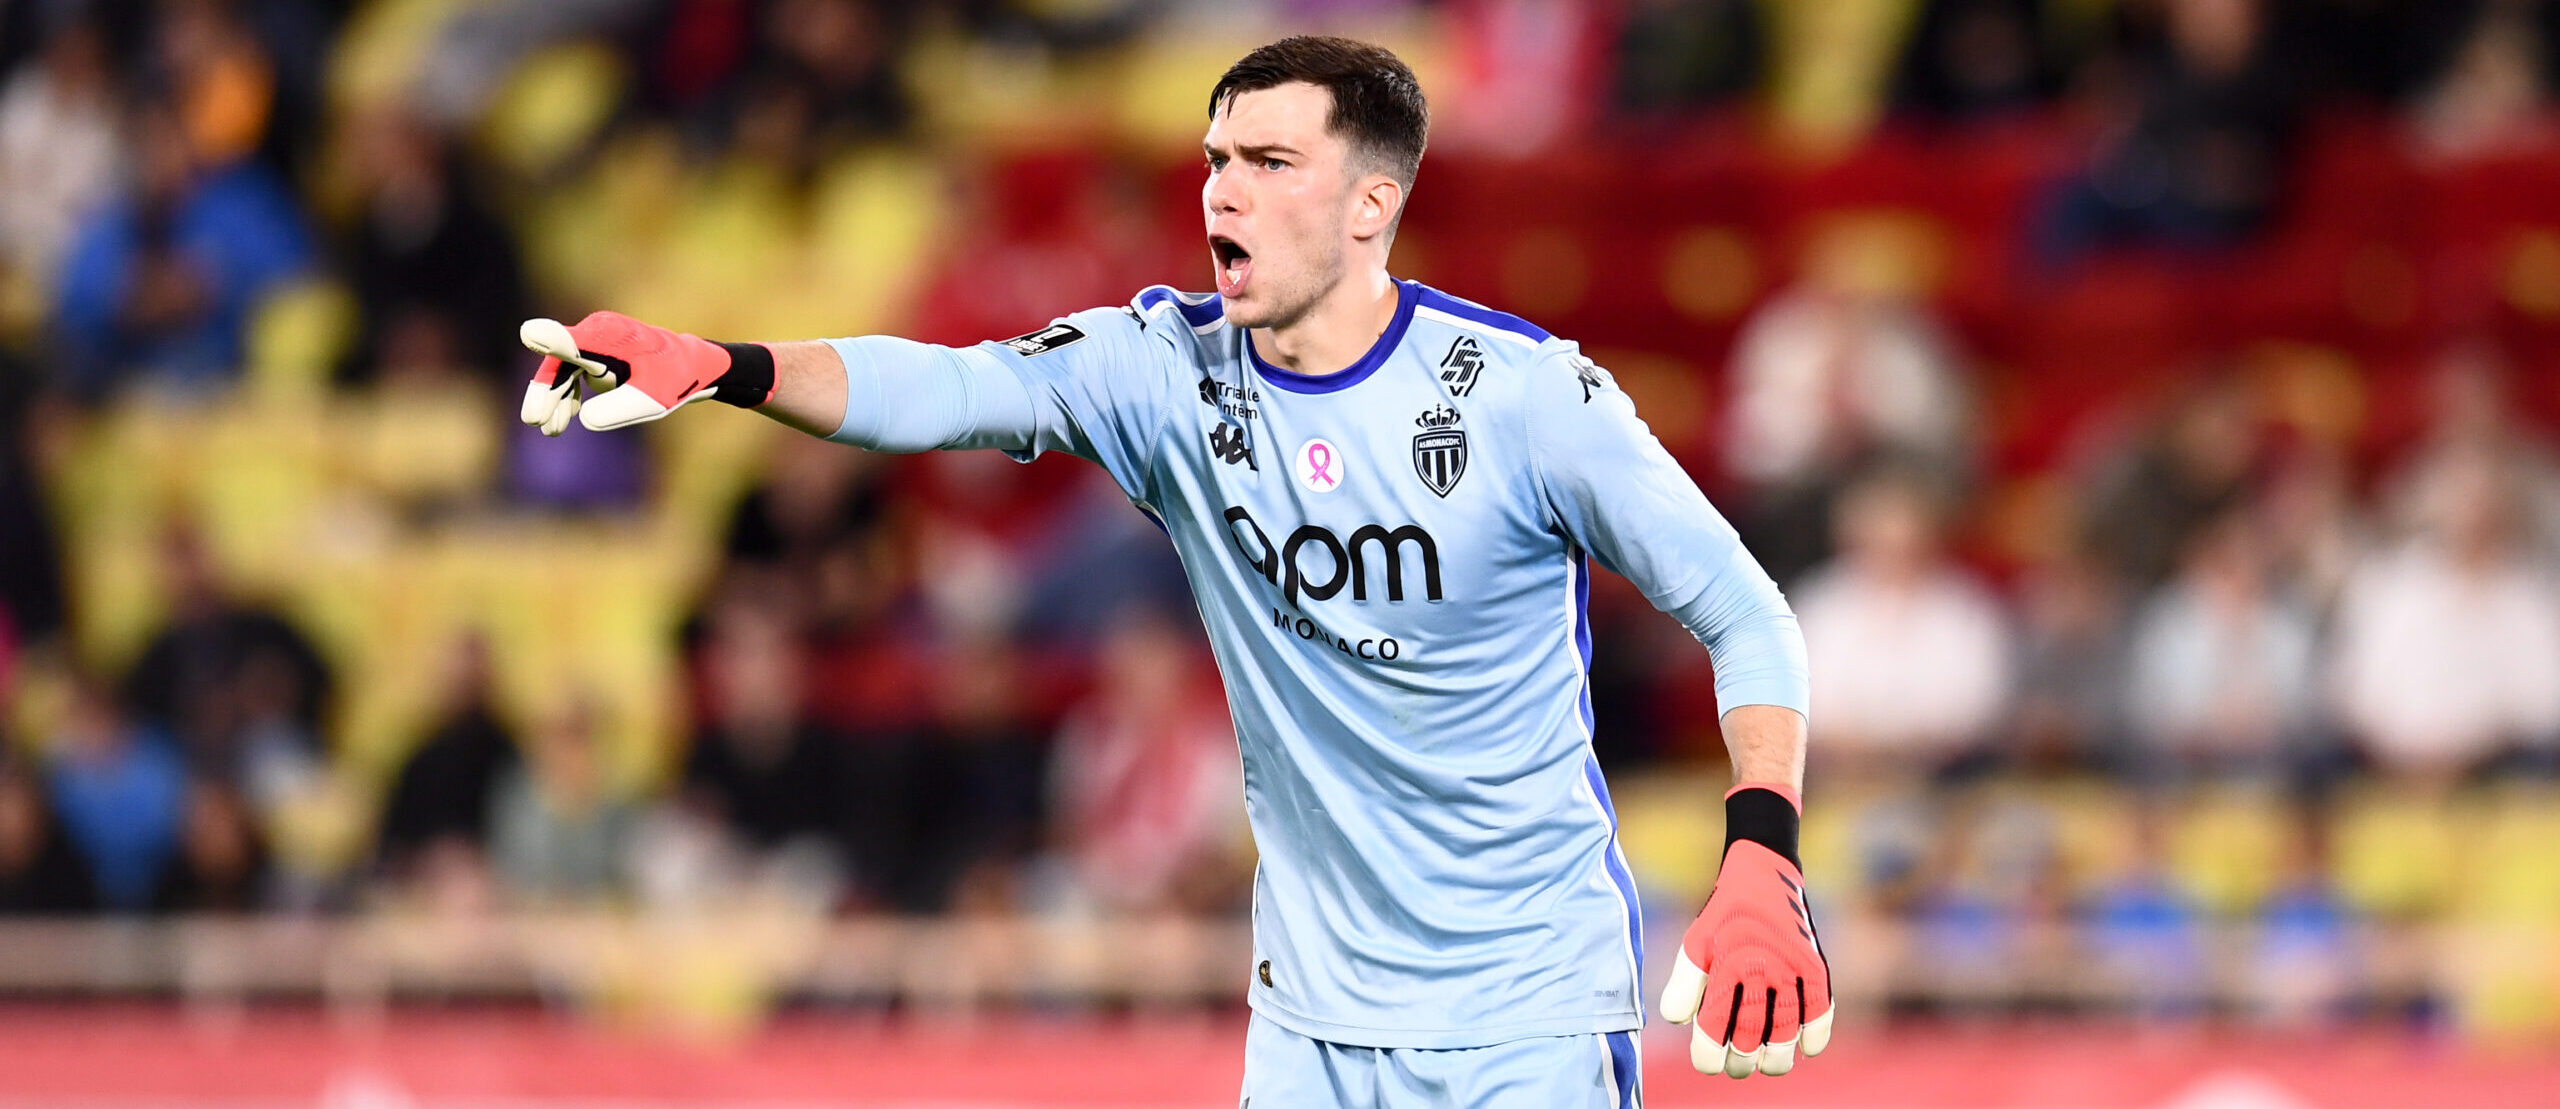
(1244, 314)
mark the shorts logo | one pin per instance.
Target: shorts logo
(1045, 340)
(1319, 466)
(1440, 452)
(1460, 366)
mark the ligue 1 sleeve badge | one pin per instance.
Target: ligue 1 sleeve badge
(1440, 452)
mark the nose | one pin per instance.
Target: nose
(1220, 194)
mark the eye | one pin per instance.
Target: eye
(1274, 164)
(1217, 162)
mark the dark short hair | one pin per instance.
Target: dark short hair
(1377, 105)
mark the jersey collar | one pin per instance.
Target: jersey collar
(1358, 371)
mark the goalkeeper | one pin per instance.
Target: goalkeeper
(1387, 500)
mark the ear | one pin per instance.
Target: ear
(1376, 201)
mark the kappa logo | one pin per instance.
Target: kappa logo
(1045, 340)
(1229, 444)
(1460, 366)
(1440, 452)
(1591, 376)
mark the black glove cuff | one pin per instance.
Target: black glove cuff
(1764, 817)
(749, 382)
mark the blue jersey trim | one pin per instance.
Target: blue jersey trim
(1582, 634)
(1200, 313)
(1407, 294)
(1477, 313)
(1618, 875)
(1624, 1067)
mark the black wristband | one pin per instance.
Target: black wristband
(1764, 817)
(749, 381)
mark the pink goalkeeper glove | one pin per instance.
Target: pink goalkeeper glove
(1751, 970)
(645, 372)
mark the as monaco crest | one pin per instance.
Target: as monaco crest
(1440, 452)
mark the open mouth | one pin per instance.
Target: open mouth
(1234, 264)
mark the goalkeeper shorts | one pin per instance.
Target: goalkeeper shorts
(1284, 1070)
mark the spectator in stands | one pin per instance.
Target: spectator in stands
(241, 689)
(59, 150)
(2473, 406)
(2071, 654)
(2199, 157)
(2221, 674)
(822, 76)
(975, 808)
(221, 862)
(807, 535)
(2492, 92)
(1912, 653)
(2312, 524)
(2146, 935)
(426, 436)
(1977, 59)
(558, 835)
(2446, 644)
(160, 284)
(2308, 960)
(422, 243)
(1845, 367)
(2144, 505)
(439, 804)
(31, 588)
(218, 76)
(40, 873)
(760, 770)
(1679, 56)
(1144, 782)
(120, 790)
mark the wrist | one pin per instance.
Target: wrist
(1765, 813)
(749, 382)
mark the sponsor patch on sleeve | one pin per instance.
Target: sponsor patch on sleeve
(1045, 340)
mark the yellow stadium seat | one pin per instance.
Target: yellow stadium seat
(259, 487)
(2513, 861)
(2227, 848)
(1672, 831)
(296, 338)
(551, 107)
(378, 54)
(2394, 855)
(2094, 833)
(875, 218)
(420, 444)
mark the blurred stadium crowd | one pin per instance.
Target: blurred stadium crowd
(2147, 404)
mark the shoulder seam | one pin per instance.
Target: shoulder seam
(1467, 313)
(1478, 326)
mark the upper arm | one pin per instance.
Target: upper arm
(1613, 490)
(1098, 386)
(1091, 384)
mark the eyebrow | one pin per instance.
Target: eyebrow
(1249, 151)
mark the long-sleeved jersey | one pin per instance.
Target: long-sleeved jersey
(1392, 563)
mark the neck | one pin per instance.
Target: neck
(1341, 326)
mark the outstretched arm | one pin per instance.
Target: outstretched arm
(1086, 384)
(808, 387)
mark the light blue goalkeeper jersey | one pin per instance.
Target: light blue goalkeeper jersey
(1393, 566)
